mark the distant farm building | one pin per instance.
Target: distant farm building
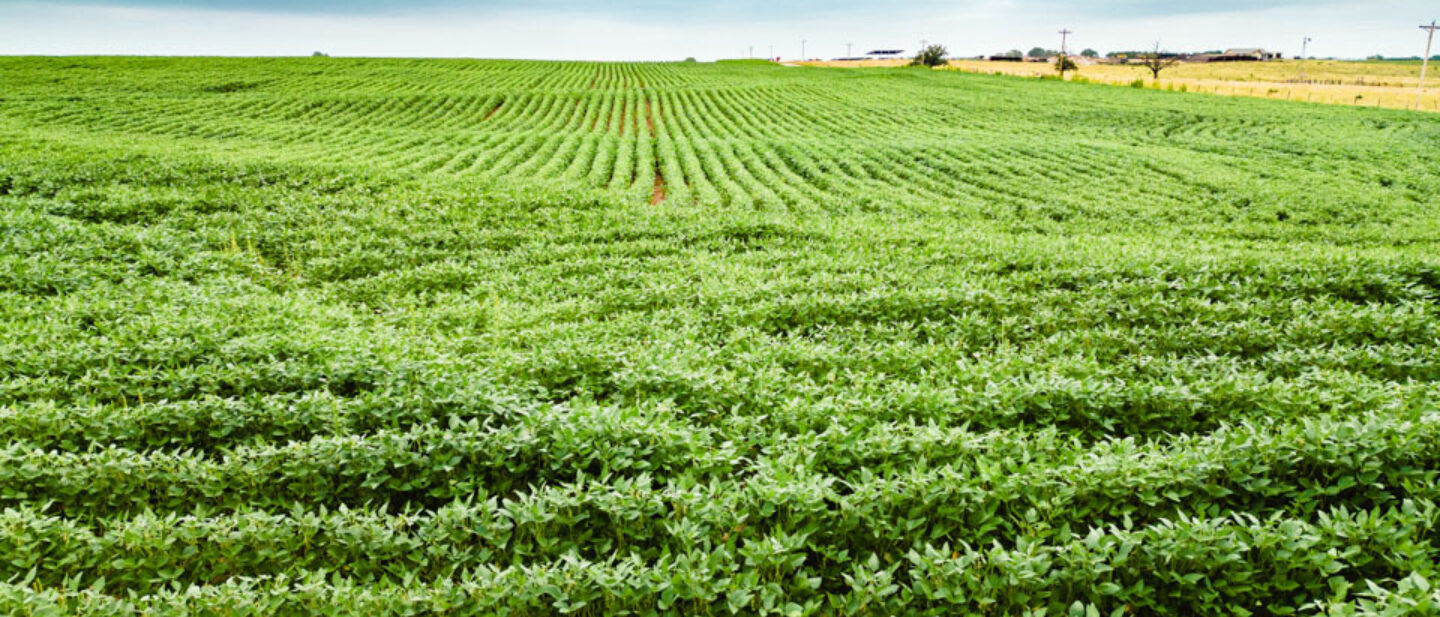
(1130, 57)
(879, 54)
(1247, 54)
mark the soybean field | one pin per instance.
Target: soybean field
(456, 337)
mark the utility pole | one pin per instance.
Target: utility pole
(802, 49)
(1425, 64)
(1064, 48)
(1304, 53)
(752, 52)
(772, 52)
(849, 50)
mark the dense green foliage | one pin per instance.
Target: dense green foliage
(452, 337)
(932, 56)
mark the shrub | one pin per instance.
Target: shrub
(932, 56)
(1065, 64)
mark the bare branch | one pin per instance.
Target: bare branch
(1156, 62)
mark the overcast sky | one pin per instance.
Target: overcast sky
(706, 29)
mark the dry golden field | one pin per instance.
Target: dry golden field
(1378, 84)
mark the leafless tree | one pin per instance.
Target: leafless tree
(1156, 63)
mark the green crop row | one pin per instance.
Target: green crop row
(1238, 565)
(363, 336)
(998, 491)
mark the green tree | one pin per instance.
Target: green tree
(1063, 64)
(932, 56)
(1038, 52)
(1090, 53)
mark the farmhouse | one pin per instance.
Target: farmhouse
(1247, 54)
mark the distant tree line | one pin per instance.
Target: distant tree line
(1041, 52)
(1411, 58)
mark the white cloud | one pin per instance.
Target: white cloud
(1344, 29)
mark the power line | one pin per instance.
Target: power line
(1425, 64)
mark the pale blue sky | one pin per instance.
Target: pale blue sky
(658, 29)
